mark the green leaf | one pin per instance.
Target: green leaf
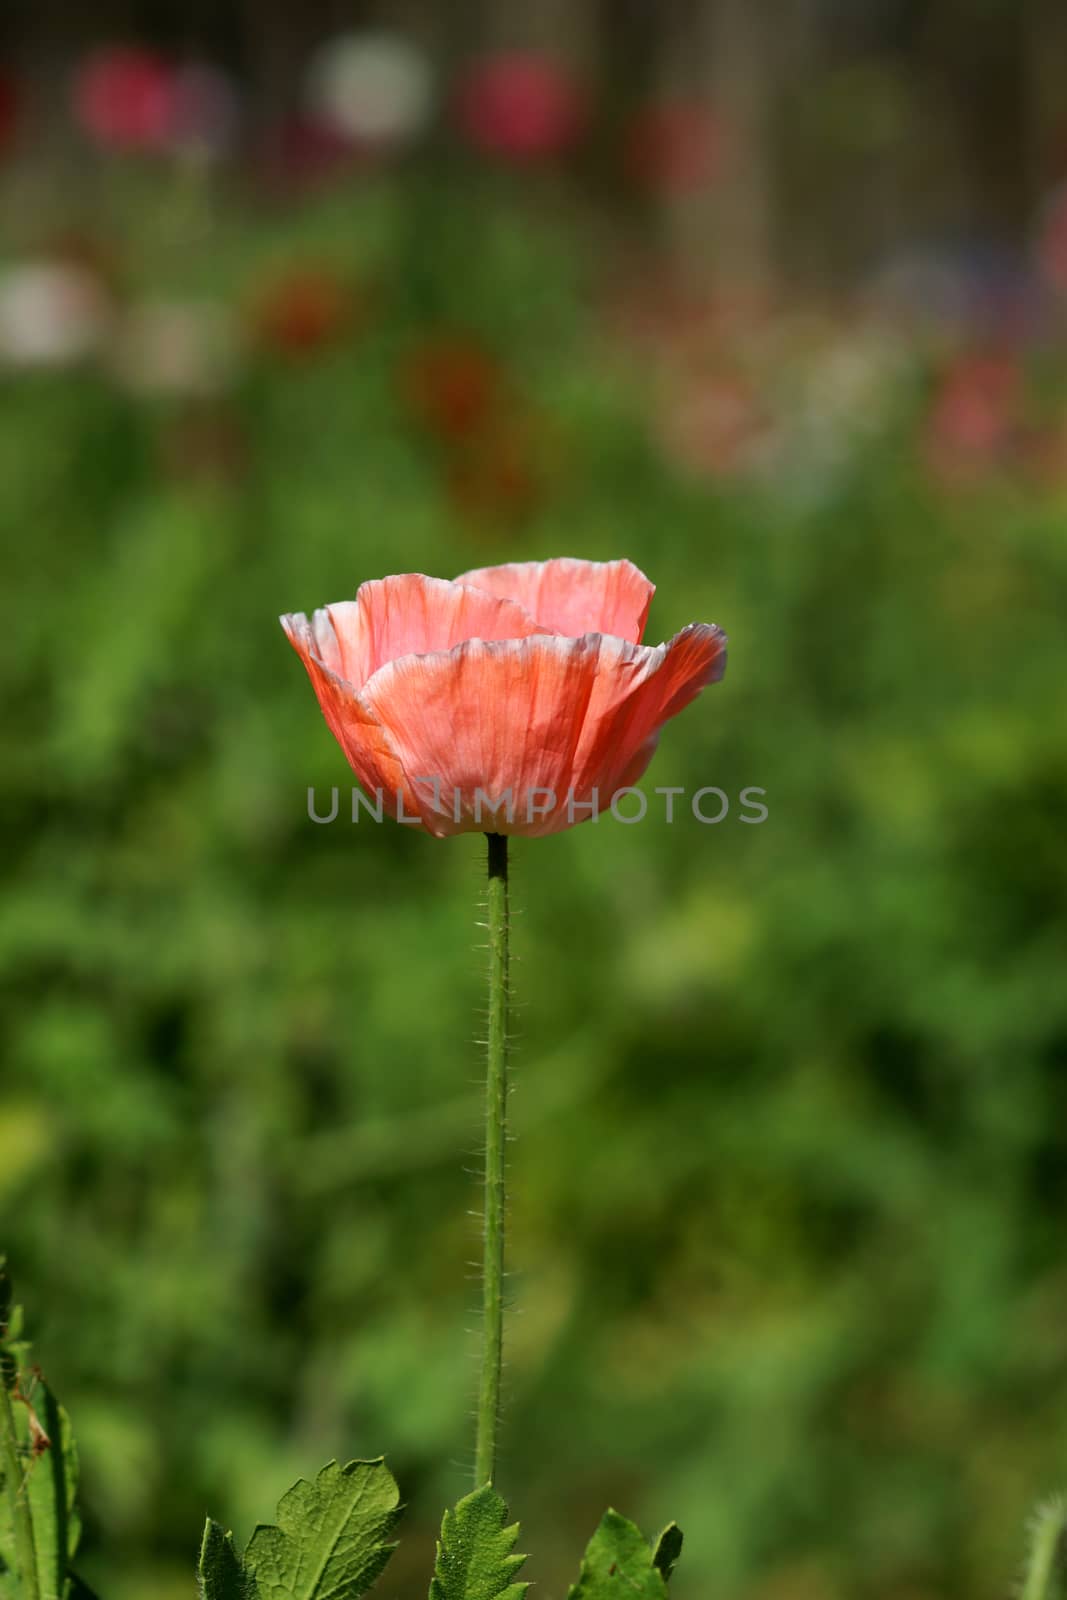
(331, 1538)
(219, 1570)
(475, 1559)
(38, 1471)
(52, 1484)
(620, 1564)
(668, 1548)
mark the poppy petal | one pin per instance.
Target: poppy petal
(367, 747)
(410, 614)
(574, 597)
(502, 722)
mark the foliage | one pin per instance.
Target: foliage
(330, 1541)
(620, 1561)
(40, 1525)
(475, 1553)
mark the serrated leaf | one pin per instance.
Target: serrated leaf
(53, 1488)
(219, 1572)
(331, 1538)
(47, 1472)
(667, 1549)
(49, 1479)
(620, 1564)
(475, 1553)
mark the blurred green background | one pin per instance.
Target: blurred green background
(789, 1179)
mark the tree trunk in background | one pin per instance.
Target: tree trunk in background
(977, 59)
(1046, 74)
(721, 54)
(563, 28)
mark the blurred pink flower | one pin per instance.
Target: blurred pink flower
(976, 414)
(523, 107)
(712, 425)
(1052, 240)
(124, 99)
(673, 147)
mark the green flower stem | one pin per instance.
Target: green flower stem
(1050, 1529)
(21, 1515)
(496, 1102)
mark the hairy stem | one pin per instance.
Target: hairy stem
(21, 1515)
(1046, 1551)
(496, 1099)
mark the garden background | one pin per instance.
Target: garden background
(769, 299)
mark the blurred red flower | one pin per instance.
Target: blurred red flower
(9, 105)
(452, 385)
(523, 107)
(976, 413)
(304, 312)
(124, 99)
(673, 147)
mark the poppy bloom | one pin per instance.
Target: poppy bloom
(519, 107)
(52, 314)
(375, 89)
(516, 699)
(976, 415)
(308, 310)
(175, 348)
(124, 99)
(452, 385)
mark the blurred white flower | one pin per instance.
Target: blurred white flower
(374, 88)
(175, 348)
(52, 313)
(855, 385)
(834, 394)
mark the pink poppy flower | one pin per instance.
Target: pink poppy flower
(516, 699)
(976, 414)
(1051, 245)
(124, 99)
(521, 107)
